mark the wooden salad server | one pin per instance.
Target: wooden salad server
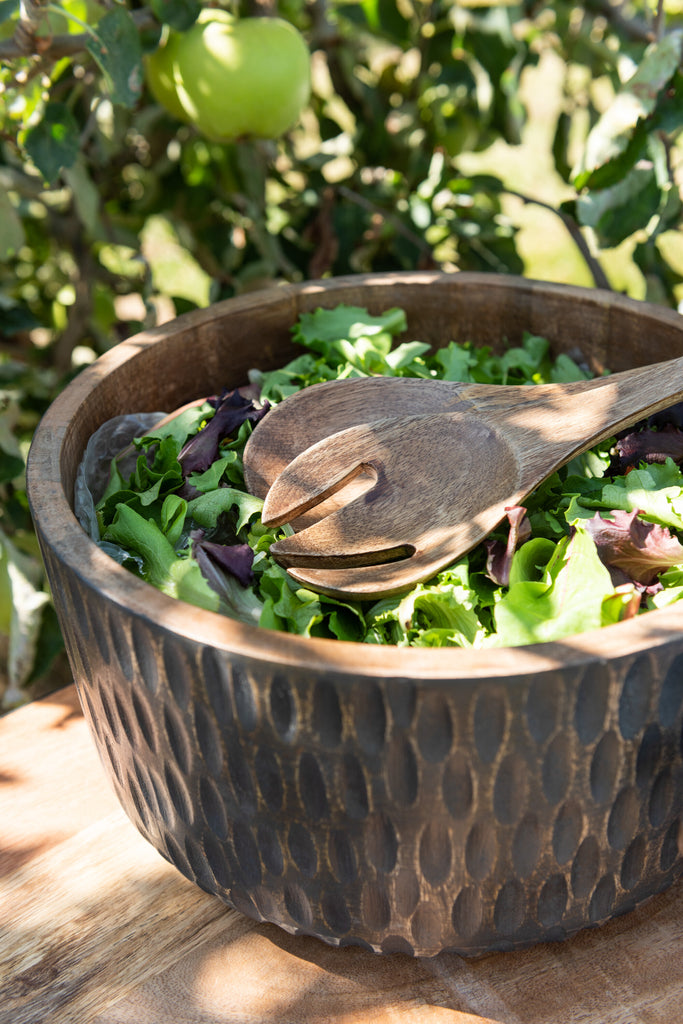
(435, 465)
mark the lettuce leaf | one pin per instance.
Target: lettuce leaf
(207, 508)
(574, 595)
(291, 608)
(201, 449)
(654, 491)
(637, 549)
(441, 613)
(176, 576)
(324, 329)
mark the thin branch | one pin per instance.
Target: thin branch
(395, 222)
(598, 274)
(660, 20)
(55, 47)
(26, 43)
(633, 28)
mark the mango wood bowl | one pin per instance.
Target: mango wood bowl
(404, 800)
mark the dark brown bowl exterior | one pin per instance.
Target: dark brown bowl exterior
(404, 800)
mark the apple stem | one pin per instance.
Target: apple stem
(263, 8)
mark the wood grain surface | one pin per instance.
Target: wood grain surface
(96, 928)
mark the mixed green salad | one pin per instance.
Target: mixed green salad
(597, 543)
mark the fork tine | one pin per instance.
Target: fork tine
(430, 502)
(357, 534)
(366, 583)
(382, 524)
(320, 546)
(318, 472)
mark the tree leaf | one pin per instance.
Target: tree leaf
(615, 133)
(115, 45)
(86, 196)
(616, 212)
(24, 576)
(8, 8)
(175, 271)
(668, 117)
(53, 143)
(11, 466)
(179, 14)
(613, 169)
(560, 146)
(385, 18)
(16, 317)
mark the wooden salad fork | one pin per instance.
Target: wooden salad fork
(390, 479)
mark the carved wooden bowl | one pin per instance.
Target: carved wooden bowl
(404, 800)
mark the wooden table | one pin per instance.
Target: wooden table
(96, 927)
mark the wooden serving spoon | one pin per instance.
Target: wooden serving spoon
(435, 465)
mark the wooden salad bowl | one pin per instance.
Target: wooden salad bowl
(411, 800)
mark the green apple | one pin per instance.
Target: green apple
(159, 75)
(159, 64)
(241, 77)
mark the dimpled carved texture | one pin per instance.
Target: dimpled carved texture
(397, 815)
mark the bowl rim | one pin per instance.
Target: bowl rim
(59, 529)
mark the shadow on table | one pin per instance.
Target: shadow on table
(627, 972)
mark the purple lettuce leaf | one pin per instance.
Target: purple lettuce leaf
(232, 409)
(499, 555)
(634, 549)
(217, 560)
(647, 445)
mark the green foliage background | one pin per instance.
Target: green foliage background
(421, 148)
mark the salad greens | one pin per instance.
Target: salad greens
(596, 543)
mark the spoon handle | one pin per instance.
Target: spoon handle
(549, 424)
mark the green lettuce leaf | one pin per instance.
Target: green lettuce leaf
(323, 329)
(291, 608)
(573, 595)
(441, 613)
(176, 576)
(206, 509)
(182, 426)
(655, 491)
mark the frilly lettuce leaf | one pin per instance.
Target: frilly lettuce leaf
(179, 428)
(649, 446)
(232, 409)
(323, 329)
(574, 594)
(291, 608)
(162, 567)
(222, 562)
(206, 509)
(639, 550)
(654, 491)
(441, 613)
(498, 554)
